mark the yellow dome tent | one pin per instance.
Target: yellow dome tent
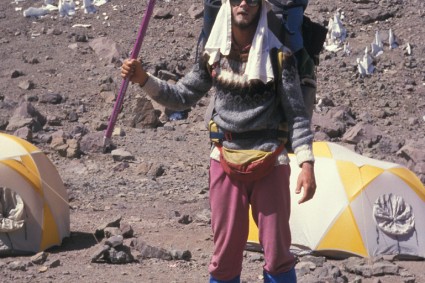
(362, 207)
(34, 211)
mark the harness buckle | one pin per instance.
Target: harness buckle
(228, 136)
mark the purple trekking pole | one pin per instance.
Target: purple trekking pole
(124, 84)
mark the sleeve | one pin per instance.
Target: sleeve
(185, 93)
(300, 133)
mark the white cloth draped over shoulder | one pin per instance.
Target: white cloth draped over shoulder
(259, 65)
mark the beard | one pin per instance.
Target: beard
(246, 24)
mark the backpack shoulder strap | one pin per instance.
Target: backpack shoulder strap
(276, 56)
(210, 111)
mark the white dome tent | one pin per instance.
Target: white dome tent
(34, 211)
(362, 207)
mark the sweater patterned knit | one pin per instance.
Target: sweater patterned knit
(241, 105)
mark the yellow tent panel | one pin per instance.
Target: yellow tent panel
(350, 241)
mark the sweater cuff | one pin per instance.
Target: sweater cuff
(304, 153)
(151, 86)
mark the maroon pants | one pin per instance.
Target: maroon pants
(270, 203)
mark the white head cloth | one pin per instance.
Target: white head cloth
(220, 40)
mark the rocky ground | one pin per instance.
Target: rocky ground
(58, 80)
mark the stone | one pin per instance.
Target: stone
(162, 13)
(384, 268)
(92, 143)
(114, 241)
(181, 255)
(54, 121)
(147, 251)
(196, 11)
(362, 132)
(24, 133)
(26, 85)
(112, 231)
(185, 219)
(122, 155)
(119, 255)
(17, 265)
(143, 115)
(126, 230)
(55, 263)
(26, 115)
(106, 49)
(51, 98)
(73, 150)
(317, 260)
(16, 74)
(114, 223)
(99, 253)
(39, 258)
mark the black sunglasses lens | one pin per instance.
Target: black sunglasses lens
(251, 3)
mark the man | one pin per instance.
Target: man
(248, 111)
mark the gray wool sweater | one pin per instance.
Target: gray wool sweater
(241, 105)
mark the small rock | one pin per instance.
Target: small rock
(92, 143)
(255, 257)
(24, 133)
(147, 251)
(118, 132)
(185, 219)
(73, 116)
(115, 241)
(195, 11)
(99, 253)
(119, 255)
(26, 85)
(43, 269)
(73, 149)
(181, 255)
(317, 260)
(157, 170)
(112, 231)
(122, 155)
(16, 74)
(162, 13)
(114, 223)
(54, 121)
(39, 258)
(51, 98)
(55, 263)
(126, 230)
(17, 266)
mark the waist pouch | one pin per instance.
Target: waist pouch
(248, 165)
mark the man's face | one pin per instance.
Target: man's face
(244, 16)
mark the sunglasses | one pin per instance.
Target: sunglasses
(251, 3)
